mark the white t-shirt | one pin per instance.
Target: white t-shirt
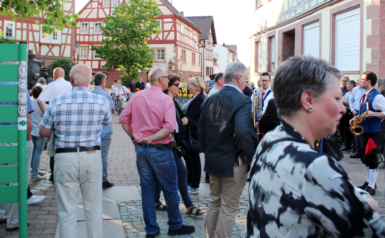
(118, 93)
(59, 87)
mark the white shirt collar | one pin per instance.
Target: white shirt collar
(61, 78)
(233, 86)
(266, 91)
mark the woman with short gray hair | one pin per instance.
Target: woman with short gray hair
(295, 191)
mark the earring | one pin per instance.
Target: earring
(310, 109)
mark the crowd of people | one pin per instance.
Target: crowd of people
(276, 135)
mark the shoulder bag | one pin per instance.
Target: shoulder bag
(192, 144)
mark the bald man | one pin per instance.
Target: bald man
(77, 152)
(150, 129)
(58, 87)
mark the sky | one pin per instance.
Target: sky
(232, 20)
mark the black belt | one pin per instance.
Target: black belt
(81, 149)
(159, 146)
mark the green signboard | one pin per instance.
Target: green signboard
(13, 129)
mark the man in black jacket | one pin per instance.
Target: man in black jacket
(228, 139)
(140, 84)
(132, 86)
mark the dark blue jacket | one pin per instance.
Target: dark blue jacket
(226, 131)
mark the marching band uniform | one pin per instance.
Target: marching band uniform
(370, 139)
(260, 100)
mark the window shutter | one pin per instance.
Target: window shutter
(311, 40)
(347, 41)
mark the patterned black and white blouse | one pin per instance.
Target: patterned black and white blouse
(295, 191)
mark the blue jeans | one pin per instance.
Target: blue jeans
(38, 146)
(182, 182)
(158, 166)
(105, 146)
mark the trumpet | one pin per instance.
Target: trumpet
(355, 128)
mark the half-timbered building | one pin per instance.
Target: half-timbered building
(47, 47)
(175, 48)
(207, 40)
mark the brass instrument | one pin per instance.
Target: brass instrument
(355, 128)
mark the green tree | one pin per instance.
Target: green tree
(64, 63)
(54, 16)
(126, 32)
(126, 79)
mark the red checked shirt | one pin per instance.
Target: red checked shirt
(148, 112)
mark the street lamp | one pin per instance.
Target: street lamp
(77, 46)
(181, 61)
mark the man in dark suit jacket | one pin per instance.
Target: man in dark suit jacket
(228, 139)
(140, 84)
(132, 86)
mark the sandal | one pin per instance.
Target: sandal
(195, 211)
(160, 207)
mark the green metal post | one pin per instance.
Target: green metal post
(22, 130)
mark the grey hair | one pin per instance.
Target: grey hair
(80, 76)
(299, 74)
(381, 85)
(155, 74)
(41, 80)
(233, 70)
(99, 78)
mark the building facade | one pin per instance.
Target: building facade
(175, 48)
(349, 34)
(225, 54)
(46, 47)
(207, 40)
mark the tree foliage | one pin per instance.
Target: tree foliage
(126, 32)
(53, 15)
(126, 79)
(64, 63)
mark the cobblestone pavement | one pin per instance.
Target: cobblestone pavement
(123, 173)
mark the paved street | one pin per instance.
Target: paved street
(122, 213)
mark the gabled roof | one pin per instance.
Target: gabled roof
(178, 14)
(205, 23)
(232, 48)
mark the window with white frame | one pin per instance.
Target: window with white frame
(160, 24)
(54, 38)
(83, 53)
(347, 40)
(96, 56)
(84, 28)
(9, 29)
(106, 3)
(97, 29)
(182, 29)
(114, 3)
(160, 55)
(311, 40)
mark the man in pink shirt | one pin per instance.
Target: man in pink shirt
(151, 128)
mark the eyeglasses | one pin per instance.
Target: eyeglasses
(176, 84)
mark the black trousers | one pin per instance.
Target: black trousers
(348, 136)
(194, 169)
(51, 167)
(370, 160)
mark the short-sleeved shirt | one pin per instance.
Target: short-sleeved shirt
(99, 91)
(77, 117)
(54, 89)
(148, 112)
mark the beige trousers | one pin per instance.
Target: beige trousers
(225, 193)
(73, 171)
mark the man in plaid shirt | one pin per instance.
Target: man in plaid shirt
(77, 117)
